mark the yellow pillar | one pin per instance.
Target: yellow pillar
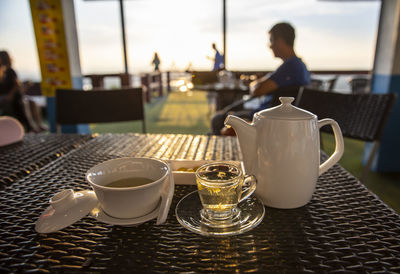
(57, 45)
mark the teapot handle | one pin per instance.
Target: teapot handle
(339, 148)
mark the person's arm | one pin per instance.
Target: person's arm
(2, 69)
(12, 91)
(262, 86)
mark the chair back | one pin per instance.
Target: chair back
(360, 116)
(99, 106)
(292, 91)
(280, 92)
(316, 83)
(226, 97)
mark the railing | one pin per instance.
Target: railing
(323, 79)
(98, 79)
(358, 80)
(154, 84)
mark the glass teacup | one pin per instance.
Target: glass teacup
(221, 187)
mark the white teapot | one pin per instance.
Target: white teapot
(281, 148)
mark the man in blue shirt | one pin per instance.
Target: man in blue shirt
(292, 72)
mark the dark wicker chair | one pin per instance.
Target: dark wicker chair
(237, 107)
(286, 92)
(360, 116)
(281, 92)
(99, 106)
(226, 97)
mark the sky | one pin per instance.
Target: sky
(330, 35)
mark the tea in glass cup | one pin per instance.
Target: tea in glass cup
(220, 188)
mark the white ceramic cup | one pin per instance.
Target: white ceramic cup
(128, 202)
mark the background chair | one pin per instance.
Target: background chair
(293, 91)
(99, 106)
(316, 83)
(226, 97)
(360, 116)
(280, 92)
(359, 85)
(237, 107)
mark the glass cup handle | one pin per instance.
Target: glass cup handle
(249, 186)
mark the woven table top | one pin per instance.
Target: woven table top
(33, 152)
(344, 228)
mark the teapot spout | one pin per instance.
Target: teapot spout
(246, 133)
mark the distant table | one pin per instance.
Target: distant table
(224, 95)
(344, 228)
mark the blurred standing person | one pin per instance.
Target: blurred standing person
(12, 97)
(218, 59)
(156, 62)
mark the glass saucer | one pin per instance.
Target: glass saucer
(188, 214)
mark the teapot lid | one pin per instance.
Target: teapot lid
(285, 111)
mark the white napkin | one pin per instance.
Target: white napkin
(11, 130)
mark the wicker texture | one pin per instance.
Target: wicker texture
(33, 152)
(343, 229)
(360, 116)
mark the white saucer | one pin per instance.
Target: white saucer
(99, 214)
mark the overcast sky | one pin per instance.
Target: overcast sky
(330, 35)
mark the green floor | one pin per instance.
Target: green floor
(185, 113)
(188, 113)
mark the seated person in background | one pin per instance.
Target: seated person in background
(292, 72)
(12, 101)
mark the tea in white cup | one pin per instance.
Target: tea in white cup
(128, 187)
